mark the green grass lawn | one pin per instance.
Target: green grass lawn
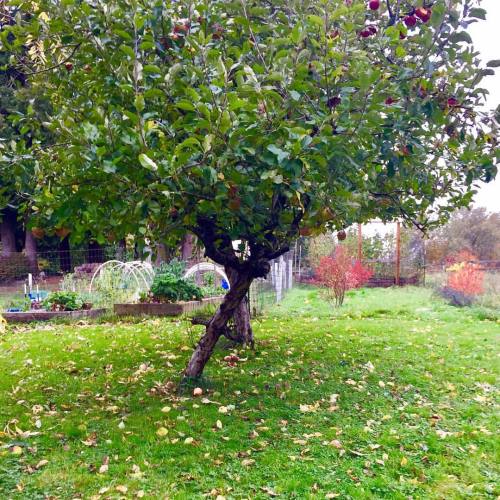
(391, 396)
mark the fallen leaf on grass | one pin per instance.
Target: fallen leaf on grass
(91, 440)
(269, 491)
(309, 408)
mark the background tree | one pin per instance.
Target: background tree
(476, 230)
(22, 111)
(256, 122)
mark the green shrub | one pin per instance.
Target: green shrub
(171, 288)
(64, 301)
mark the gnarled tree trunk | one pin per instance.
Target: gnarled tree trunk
(217, 324)
(8, 233)
(242, 326)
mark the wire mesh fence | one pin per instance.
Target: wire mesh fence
(72, 270)
(272, 289)
(394, 255)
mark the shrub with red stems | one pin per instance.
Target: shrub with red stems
(339, 273)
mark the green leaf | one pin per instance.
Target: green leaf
(139, 103)
(147, 162)
(477, 13)
(317, 20)
(282, 155)
(185, 105)
(207, 142)
(123, 34)
(151, 69)
(400, 51)
(129, 51)
(188, 143)
(225, 122)
(461, 36)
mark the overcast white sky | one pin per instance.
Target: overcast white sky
(486, 36)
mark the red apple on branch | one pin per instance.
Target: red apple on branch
(410, 21)
(423, 14)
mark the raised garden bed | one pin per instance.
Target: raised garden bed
(29, 316)
(164, 309)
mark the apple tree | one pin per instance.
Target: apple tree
(255, 122)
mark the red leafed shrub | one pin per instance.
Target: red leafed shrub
(465, 275)
(339, 273)
(358, 274)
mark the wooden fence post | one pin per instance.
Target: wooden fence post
(398, 253)
(360, 243)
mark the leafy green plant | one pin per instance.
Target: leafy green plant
(64, 301)
(175, 267)
(170, 288)
(211, 285)
(21, 303)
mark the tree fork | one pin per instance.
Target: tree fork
(215, 327)
(242, 325)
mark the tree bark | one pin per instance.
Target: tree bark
(95, 252)
(65, 255)
(242, 324)
(187, 247)
(8, 233)
(217, 324)
(31, 251)
(161, 254)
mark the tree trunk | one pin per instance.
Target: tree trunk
(121, 251)
(95, 252)
(8, 233)
(187, 247)
(65, 255)
(31, 251)
(217, 324)
(242, 325)
(161, 253)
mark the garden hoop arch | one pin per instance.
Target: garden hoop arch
(142, 272)
(206, 266)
